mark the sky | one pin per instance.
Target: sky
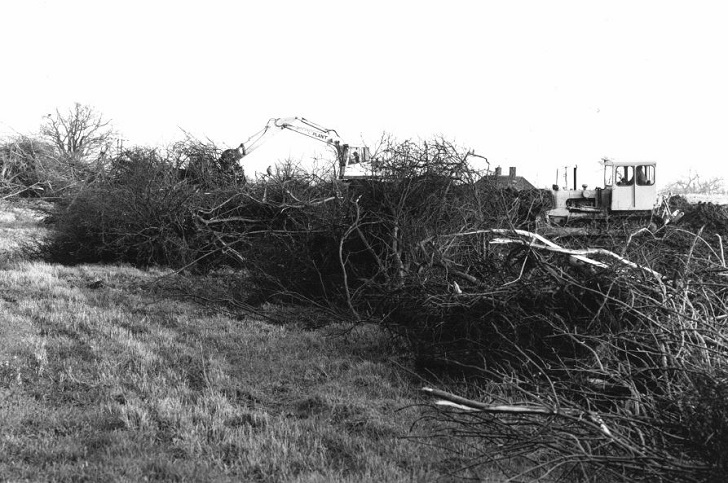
(531, 84)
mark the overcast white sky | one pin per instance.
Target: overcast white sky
(531, 84)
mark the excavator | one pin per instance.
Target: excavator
(346, 154)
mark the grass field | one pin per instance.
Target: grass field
(109, 373)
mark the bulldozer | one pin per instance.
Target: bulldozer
(629, 192)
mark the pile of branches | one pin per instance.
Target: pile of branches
(358, 244)
(24, 165)
(609, 357)
(710, 217)
(285, 233)
(141, 208)
(610, 365)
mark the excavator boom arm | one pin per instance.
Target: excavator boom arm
(345, 155)
(308, 128)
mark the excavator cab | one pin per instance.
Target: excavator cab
(350, 159)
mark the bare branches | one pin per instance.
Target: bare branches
(24, 165)
(611, 350)
(694, 184)
(80, 134)
(646, 353)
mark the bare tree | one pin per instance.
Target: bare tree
(80, 134)
(693, 184)
(711, 185)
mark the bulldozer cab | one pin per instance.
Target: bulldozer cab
(632, 185)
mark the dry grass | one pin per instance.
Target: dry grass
(107, 376)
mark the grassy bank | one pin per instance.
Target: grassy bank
(124, 382)
(109, 374)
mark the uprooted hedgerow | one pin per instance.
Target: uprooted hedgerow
(618, 342)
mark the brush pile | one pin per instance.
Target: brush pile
(607, 358)
(618, 369)
(710, 217)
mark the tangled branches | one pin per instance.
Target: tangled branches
(616, 351)
(140, 208)
(25, 167)
(604, 358)
(642, 352)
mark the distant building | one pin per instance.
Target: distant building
(499, 180)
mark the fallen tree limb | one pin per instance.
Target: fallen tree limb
(452, 400)
(539, 242)
(471, 405)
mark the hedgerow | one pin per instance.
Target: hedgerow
(612, 350)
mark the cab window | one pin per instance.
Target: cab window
(624, 175)
(645, 175)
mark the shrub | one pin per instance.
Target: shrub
(138, 211)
